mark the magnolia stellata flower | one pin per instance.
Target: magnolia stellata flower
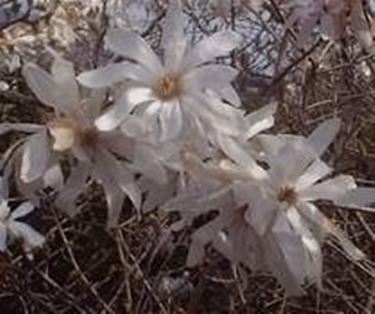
(275, 206)
(11, 228)
(171, 94)
(71, 132)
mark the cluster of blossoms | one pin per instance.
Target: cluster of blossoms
(169, 133)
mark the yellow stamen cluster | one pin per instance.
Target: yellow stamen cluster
(66, 134)
(288, 195)
(167, 87)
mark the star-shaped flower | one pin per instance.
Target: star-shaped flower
(170, 95)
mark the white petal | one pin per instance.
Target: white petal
(41, 83)
(115, 200)
(209, 77)
(312, 213)
(146, 162)
(54, 177)
(271, 145)
(333, 189)
(35, 157)
(316, 171)
(22, 210)
(314, 264)
(115, 115)
(211, 111)
(195, 255)
(291, 161)
(74, 186)
(260, 120)
(229, 94)
(157, 193)
(262, 213)
(323, 136)
(198, 201)
(67, 95)
(292, 249)
(234, 151)
(360, 197)
(200, 238)
(21, 127)
(219, 44)
(109, 166)
(30, 237)
(112, 73)
(285, 257)
(102, 77)
(138, 95)
(171, 121)
(131, 45)
(4, 210)
(173, 40)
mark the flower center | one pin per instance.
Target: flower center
(288, 195)
(64, 133)
(167, 87)
(89, 137)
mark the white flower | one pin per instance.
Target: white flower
(168, 95)
(11, 228)
(293, 183)
(71, 132)
(273, 207)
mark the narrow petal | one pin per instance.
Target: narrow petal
(314, 263)
(54, 177)
(115, 115)
(174, 41)
(131, 45)
(41, 83)
(316, 171)
(230, 95)
(35, 157)
(333, 189)
(30, 237)
(139, 95)
(200, 238)
(323, 136)
(260, 120)
(262, 213)
(157, 193)
(171, 120)
(360, 198)
(234, 151)
(67, 95)
(219, 44)
(312, 213)
(210, 76)
(21, 127)
(22, 210)
(197, 201)
(74, 186)
(108, 165)
(293, 251)
(115, 199)
(113, 73)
